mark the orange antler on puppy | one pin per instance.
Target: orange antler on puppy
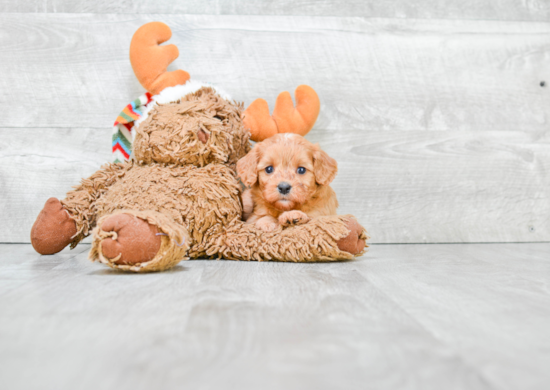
(286, 118)
(150, 61)
(289, 179)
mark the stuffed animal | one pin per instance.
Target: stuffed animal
(178, 196)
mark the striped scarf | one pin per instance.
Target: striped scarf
(122, 130)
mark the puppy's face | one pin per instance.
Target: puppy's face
(287, 169)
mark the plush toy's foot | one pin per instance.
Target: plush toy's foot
(134, 240)
(352, 243)
(139, 241)
(53, 229)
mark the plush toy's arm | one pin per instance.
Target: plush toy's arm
(80, 203)
(329, 238)
(69, 221)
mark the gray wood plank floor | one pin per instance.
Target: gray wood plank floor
(470, 316)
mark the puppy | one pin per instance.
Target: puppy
(289, 181)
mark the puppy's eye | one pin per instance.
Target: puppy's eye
(218, 118)
(301, 170)
(269, 169)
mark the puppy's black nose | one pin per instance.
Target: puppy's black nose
(284, 188)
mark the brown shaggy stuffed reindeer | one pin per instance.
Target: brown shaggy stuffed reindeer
(179, 197)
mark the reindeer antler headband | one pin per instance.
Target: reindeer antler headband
(286, 118)
(150, 62)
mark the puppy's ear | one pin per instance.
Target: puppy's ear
(247, 167)
(325, 167)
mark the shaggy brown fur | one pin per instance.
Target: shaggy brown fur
(184, 183)
(172, 133)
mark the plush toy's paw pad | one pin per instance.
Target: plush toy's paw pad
(352, 243)
(294, 217)
(266, 224)
(134, 240)
(53, 229)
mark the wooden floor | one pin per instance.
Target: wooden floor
(470, 316)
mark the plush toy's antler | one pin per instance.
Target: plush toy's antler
(285, 118)
(149, 60)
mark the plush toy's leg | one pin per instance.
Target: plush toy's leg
(321, 239)
(53, 229)
(139, 241)
(81, 202)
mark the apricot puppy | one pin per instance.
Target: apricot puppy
(289, 181)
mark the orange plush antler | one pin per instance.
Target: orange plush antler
(149, 60)
(285, 118)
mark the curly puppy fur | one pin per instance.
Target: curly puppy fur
(289, 179)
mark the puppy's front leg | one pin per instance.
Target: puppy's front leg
(248, 204)
(266, 223)
(294, 217)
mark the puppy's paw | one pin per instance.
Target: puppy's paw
(267, 224)
(294, 217)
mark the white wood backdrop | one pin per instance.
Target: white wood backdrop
(434, 111)
(530, 10)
